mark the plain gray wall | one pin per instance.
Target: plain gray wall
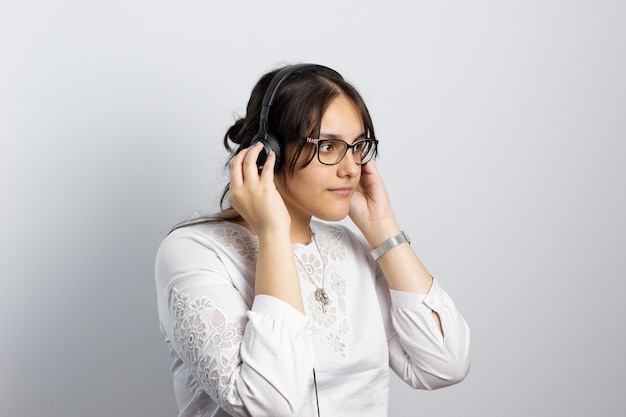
(502, 128)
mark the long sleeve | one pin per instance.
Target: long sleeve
(250, 360)
(249, 355)
(418, 352)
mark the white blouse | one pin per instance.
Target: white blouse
(244, 355)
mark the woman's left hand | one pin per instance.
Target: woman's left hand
(370, 208)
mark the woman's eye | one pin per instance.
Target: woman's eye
(326, 147)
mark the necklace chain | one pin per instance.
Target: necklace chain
(321, 296)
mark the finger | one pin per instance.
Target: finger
(236, 172)
(370, 167)
(268, 167)
(250, 168)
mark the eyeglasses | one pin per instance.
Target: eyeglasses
(332, 151)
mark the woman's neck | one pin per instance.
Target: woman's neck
(301, 231)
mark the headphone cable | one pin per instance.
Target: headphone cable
(317, 400)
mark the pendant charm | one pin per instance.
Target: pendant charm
(322, 297)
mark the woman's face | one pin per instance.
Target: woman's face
(324, 191)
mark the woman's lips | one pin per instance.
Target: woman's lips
(341, 192)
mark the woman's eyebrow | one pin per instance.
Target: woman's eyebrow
(335, 136)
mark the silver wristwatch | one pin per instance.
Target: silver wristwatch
(388, 244)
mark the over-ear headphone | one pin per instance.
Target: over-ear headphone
(270, 143)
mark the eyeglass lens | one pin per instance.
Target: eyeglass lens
(332, 151)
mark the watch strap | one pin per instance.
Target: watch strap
(388, 244)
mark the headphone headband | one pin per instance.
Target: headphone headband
(272, 88)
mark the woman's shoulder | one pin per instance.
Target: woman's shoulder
(210, 233)
(209, 228)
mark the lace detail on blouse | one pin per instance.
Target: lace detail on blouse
(243, 243)
(207, 342)
(330, 321)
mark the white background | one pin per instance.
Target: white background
(502, 128)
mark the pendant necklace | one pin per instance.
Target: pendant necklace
(321, 296)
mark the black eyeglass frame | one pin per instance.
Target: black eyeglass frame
(372, 153)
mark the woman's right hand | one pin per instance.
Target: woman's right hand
(255, 196)
(257, 200)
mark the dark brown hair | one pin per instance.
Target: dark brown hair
(296, 112)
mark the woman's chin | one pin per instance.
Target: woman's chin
(333, 217)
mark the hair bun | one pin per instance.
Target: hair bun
(234, 134)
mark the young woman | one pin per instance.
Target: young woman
(269, 312)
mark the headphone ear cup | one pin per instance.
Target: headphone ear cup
(269, 144)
